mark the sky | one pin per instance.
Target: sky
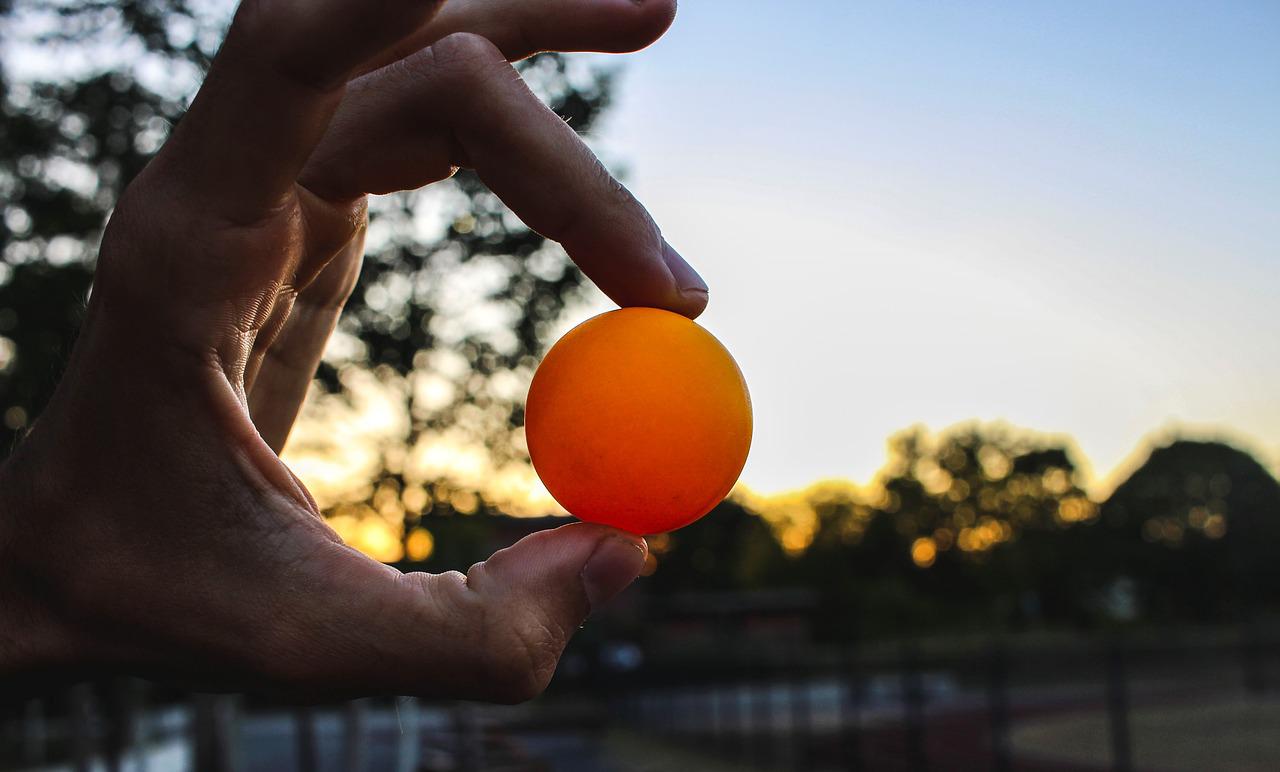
(1065, 216)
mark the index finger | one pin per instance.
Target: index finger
(458, 103)
(270, 93)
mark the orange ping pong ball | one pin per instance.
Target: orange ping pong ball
(639, 419)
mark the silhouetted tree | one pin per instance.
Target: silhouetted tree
(964, 529)
(1195, 528)
(67, 148)
(730, 548)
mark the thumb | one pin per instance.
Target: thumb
(562, 574)
(495, 634)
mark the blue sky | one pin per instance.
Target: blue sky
(1062, 215)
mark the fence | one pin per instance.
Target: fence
(917, 709)
(914, 706)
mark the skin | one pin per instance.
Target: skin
(147, 523)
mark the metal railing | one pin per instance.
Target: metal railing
(921, 708)
(913, 706)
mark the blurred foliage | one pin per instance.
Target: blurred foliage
(987, 528)
(67, 148)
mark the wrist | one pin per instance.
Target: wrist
(32, 635)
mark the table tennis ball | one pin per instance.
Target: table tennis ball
(638, 419)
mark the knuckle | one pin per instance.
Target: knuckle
(509, 649)
(466, 49)
(518, 664)
(463, 58)
(524, 647)
(518, 645)
(448, 601)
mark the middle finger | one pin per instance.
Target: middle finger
(520, 28)
(459, 103)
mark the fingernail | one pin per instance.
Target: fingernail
(687, 279)
(611, 568)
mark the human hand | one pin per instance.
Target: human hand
(146, 523)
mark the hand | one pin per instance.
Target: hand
(146, 523)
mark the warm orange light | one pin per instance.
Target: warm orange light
(638, 419)
(419, 545)
(924, 551)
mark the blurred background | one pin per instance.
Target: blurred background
(1002, 280)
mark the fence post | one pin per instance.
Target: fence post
(666, 707)
(34, 733)
(763, 719)
(469, 747)
(690, 709)
(1118, 708)
(410, 744)
(122, 739)
(718, 712)
(212, 726)
(742, 726)
(913, 700)
(801, 718)
(730, 713)
(850, 713)
(998, 702)
(304, 738)
(353, 736)
(682, 716)
(80, 726)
